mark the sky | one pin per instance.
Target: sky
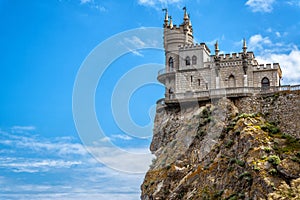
(78, 85)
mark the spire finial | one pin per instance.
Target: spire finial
(217, 48)
(244, 45)
(166, 14)
(185, 17)
(171, 22)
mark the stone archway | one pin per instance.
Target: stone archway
(265, 83)
(231, 81)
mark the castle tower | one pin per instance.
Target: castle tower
(174, 36)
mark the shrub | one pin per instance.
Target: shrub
(229, 143)
(206, 113)
(256, 168)
(273, 171)
(240, 163)
(274, 160)
(270, 128)
(245, 174)
(267, 149)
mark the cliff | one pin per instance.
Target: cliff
(246, 148)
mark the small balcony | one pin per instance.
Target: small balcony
(163, 74)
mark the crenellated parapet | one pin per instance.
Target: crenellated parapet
(235, 56)
(195, 46)
(267, 66)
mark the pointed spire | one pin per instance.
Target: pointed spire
(171, 22)
(166, 17)
(217, 48)
(185, 16)
(244, 46)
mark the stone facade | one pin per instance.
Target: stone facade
(191, 68)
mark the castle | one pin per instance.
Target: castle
(192, 72)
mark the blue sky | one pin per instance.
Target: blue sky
(44, 46)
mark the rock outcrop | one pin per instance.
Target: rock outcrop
(219, 151)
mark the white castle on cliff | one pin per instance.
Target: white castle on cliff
(191, 71)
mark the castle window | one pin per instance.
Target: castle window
(171, 64)
(265, 83)
(194, 60)
(199, 82)
(231, 81)
(187, 61)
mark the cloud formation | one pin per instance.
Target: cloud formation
(265, 6)
(93, 5)
(256, 42)
(64, 169)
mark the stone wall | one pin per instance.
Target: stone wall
(282, 109)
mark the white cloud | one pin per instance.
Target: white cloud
(158, 3)
(122, 137)
(58, 147)
(134, 160)
(278, 34)
(258, 41)
(261, 5)
(35, 165)
(77, 175)
(293, 3)
(23, 128)
(93, 5)
(135, 42)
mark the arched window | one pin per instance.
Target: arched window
(171, 64)
(194, 60)
(187, 61)
(265, 83)
(231, 81)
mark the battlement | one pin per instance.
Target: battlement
(235, 56)
(194, 47)
(267, 66)
(175, 27)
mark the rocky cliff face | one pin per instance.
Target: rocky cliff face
(219, 151)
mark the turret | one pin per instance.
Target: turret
(175, 36)
(244, 46)
(171, 22)
(166, 17)
(217, 50)
(245, 57)
(185, 16)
